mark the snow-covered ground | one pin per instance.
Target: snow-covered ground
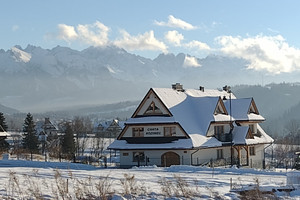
(55, 180)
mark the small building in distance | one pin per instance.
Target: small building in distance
(109, 129)
(177, 126)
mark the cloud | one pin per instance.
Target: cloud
(146, 41)
(174, 37)
(176, 23)
(190, 61)
(66, 32)
(270, 53)
(198, 45)
(93, 34)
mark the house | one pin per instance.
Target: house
(109, 129)
(176, 126)
(48, 132)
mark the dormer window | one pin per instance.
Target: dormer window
(252, 110)
(220, 109)
(153, 110)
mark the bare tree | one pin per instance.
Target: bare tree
(98, 145)
(292, 129)
(82, 128)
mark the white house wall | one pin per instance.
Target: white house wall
(256, 161)
(154, 157)
(204, 156)
(156, 128)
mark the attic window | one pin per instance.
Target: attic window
(252, 110)
(152, 110)
(219, 110)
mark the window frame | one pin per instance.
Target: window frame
(141, 155)
(218, 128)
(169, 131)
(252, 150)
(153, 110)
(220, 154)
(137, 131)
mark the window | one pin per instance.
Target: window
(170, 131)
(252, 151)
(251, 126)
(152, 110)
(125, 154)
(138, 132)
(220, 154)
(138, 157)
(219, 130)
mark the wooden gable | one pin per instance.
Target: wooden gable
(253, 108)
(220, 108)
(249, 134)
(151, 105)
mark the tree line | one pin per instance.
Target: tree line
(70, 142)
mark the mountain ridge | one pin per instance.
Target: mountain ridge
(37, 79)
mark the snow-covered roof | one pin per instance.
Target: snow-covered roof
(195, 110)
(4, 134)
(171, 97)
(239, 109)
(196, 141)
(178, 144)
(195, 114)
(240, 136)
(154, 119)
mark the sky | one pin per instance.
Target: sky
(265, 33)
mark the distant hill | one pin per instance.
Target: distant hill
(7, 110)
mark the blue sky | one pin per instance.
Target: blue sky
(266, 33)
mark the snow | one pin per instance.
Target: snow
(195, 110)
(20, 56)
(240, 109)
(208, 183)
(178, 144)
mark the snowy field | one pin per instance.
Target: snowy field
(54, 180)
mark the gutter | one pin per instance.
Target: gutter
(192, 155)
(264, 161)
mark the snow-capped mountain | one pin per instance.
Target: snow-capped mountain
(36, 79)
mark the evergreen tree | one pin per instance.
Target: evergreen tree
(3, 126)
(68, 143)
(4, 146)
(30, 140)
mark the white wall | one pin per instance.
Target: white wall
(179, 132)
(154, 157)
(205, 155)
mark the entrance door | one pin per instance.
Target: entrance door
(170, 158)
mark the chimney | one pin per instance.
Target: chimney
(227, 88)
(177, 87)
(201, 88)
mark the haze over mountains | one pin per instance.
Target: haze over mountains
(36, 79)
(62, 81)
